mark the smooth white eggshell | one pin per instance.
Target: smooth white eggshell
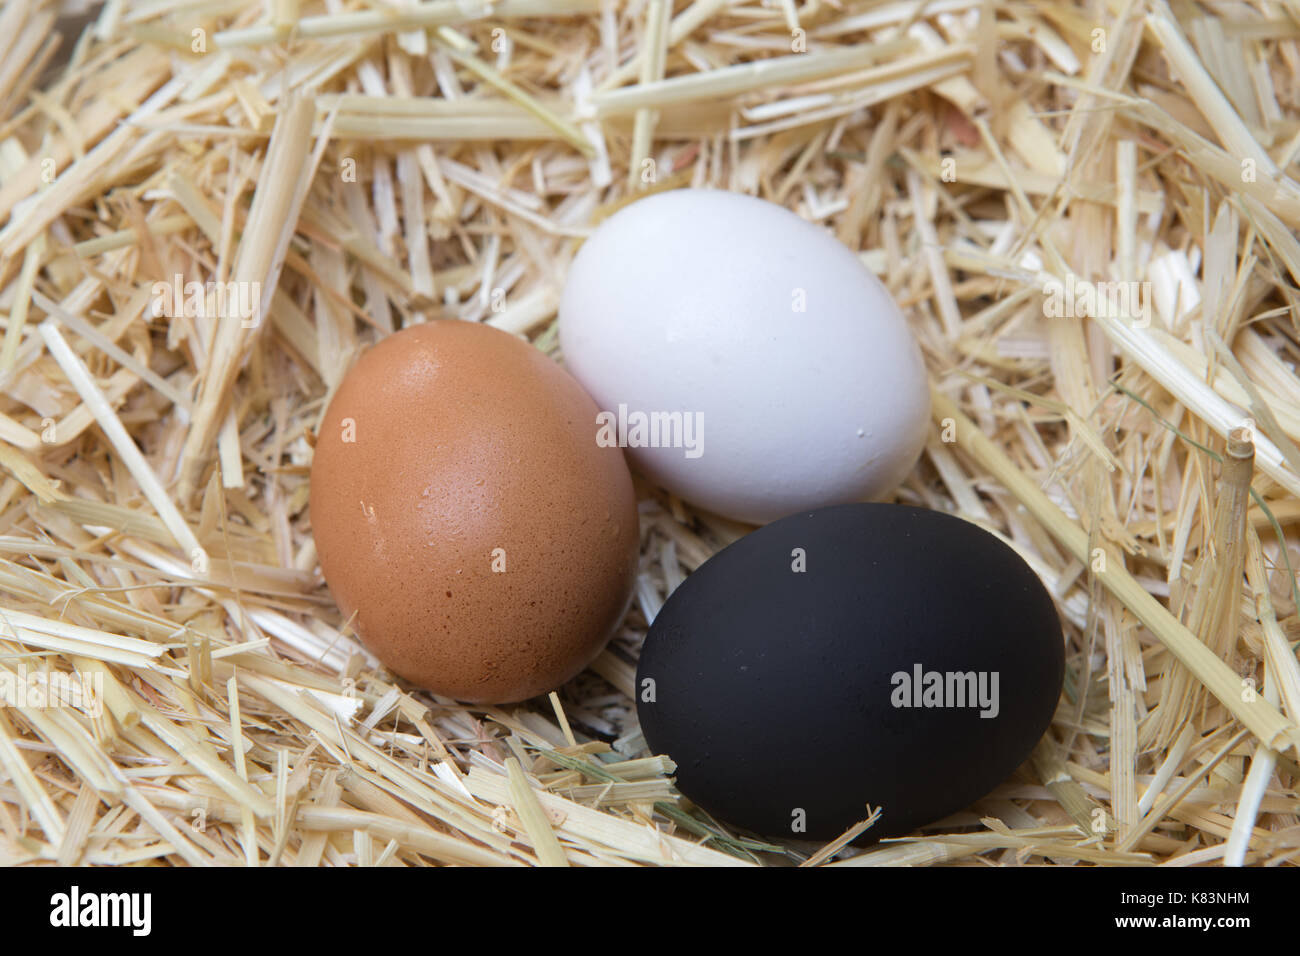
(690, 300)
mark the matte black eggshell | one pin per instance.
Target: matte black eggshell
(774, 689)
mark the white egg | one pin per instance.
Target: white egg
(745, 358)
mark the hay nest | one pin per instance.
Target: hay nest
(1011, 171)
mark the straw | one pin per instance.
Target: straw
(369, 166)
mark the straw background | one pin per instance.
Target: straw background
(376, 164)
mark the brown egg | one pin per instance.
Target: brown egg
(464, 511)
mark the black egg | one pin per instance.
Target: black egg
(858, 654)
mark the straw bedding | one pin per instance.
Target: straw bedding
(367, 165)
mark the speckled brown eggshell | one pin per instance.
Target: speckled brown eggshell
(469, 440)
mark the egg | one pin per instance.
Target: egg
(746, 359)
(854, 655)
(482, 543)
